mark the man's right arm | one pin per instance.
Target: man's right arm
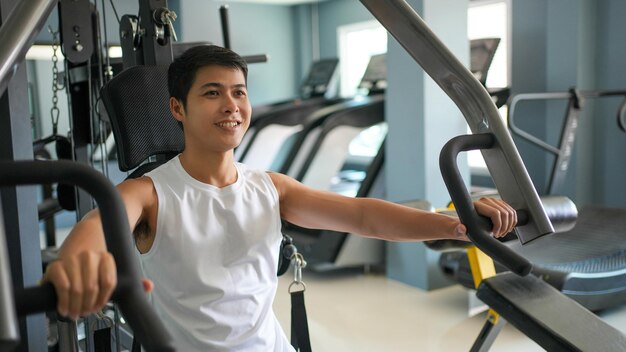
(85, 275)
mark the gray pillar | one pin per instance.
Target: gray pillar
(421, 120)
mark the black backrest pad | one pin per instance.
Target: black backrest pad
(137, 102)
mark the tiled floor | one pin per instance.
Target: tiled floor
(367, 313)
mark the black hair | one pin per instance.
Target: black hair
(182, 72)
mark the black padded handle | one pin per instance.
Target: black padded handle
(129, 292)
(477, 226)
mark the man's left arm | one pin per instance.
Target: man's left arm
(310, 208)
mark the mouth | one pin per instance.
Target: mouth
(228, 124)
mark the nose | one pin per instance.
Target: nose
(230, 104)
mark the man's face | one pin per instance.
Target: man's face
(218, 110)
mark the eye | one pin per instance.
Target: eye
(211, 93)
(240, 93)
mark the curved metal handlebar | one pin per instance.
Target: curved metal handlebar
(504, 163)
(129, 292)
(477, 226)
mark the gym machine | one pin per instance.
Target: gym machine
(587, 261)
(537, 309)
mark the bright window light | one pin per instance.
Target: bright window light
(489, 19)
(357, 43)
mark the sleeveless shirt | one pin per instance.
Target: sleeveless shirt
(214, 260)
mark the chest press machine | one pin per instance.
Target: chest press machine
(554, 321)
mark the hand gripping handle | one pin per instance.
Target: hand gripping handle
(477, 226)
(129, 292)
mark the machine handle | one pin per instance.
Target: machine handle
(129, 292)
(477, 226)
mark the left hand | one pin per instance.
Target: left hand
(502, 215)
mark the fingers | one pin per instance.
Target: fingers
(83, 282)
(502, 215)
(108, 279)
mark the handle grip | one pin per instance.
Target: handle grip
(477, 226)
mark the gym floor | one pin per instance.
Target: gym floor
(370, 313)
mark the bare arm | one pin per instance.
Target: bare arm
(376, 218)
(85, 274)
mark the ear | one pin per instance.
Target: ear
(177, 109)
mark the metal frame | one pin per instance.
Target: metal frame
(563, 151)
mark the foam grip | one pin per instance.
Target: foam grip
(561, 211)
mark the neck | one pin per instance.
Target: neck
(217, 169)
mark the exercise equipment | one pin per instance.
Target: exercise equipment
(550, 318)
(482, 52)
(319, 157)
(129, 291)
(271, 125)
(586, 262)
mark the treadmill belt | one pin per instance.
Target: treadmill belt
(597, 242)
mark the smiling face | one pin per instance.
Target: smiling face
(217, 111)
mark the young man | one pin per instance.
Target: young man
(210, 227)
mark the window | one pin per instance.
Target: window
(489, 19)
(357, 42)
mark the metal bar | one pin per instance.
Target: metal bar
(224, 23)
(18, 33)
(504, 162)
(9, 330)
(520, 132)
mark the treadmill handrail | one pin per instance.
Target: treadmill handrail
(503, 161)
(572, 94)
(147, 326)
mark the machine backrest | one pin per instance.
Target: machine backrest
(137, 103)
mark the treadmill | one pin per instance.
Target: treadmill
(588, 262)
(482, 52)
(276, 139)
(324, 162)
(314, 90)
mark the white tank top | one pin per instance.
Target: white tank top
(214, 261)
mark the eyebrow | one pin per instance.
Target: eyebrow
(219, 85)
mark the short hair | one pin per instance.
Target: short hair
(182, 71)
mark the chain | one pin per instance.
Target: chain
(54, 111)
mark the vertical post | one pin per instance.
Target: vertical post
(20, 204)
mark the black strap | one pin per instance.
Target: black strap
(299, 325)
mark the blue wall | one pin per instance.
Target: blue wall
(557, 45)
(610, 152)
(254, 29)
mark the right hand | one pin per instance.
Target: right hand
(84, 282)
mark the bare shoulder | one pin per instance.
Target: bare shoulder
(138, 191)
(283, 183)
